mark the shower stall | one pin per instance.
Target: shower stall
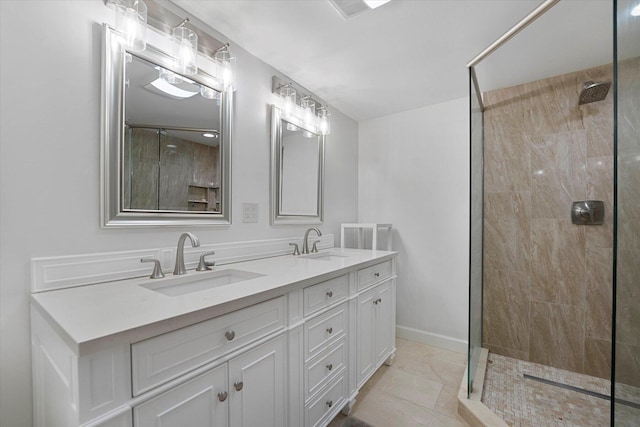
(554, 288)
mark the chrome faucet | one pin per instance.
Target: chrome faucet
(305, 243)
(180, 268)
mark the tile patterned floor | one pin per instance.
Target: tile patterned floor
(524, 402)
(419, 389)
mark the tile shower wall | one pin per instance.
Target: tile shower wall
(628, 267)
(547, 282)
(184, 164)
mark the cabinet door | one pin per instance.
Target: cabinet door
(384, 322)
(366, 326)
(257, 386)
(194, 403)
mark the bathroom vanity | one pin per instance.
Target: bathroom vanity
(282, 341)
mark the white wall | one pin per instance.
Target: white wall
(49, 164)
(414, 173)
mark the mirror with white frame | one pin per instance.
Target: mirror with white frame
(297, 171)
(166, 143)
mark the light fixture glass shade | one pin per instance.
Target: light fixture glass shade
(207, 92)
(131, 23)
(324, 125)
(309, 111)
(170, 76)
(225, 64)
(289, 95)
(185, 50)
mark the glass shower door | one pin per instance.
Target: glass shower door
(626, 386)
(475, 224)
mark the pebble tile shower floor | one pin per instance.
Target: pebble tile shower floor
(523, 402)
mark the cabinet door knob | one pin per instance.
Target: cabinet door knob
(330, 329)
(329, 294)
(238, 385)
(222, 396)
(330, 366)
(230, 335)
(376, 274)
(329, 403)
(377, 301)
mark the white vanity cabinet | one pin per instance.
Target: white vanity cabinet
(291, 354)
(246, 391)
(375, 336)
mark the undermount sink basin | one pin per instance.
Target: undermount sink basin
(198, 281)
(325, 256)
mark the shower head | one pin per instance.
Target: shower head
(594, 91)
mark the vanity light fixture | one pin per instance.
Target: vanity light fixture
(185, 49)
(324, 125)
(131, 22)
(288, 93)
(207, 92)
(309, 111)
(225, 63)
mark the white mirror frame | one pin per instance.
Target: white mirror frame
(112, 122)
(277, 217)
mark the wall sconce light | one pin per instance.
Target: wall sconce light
(310, 112)
(185, 49)
(288, 93)
(225, 64)
(131, 22)
(324, 125)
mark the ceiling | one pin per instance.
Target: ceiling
(410, 53)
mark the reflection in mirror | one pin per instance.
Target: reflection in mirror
(166, 142)
(297, 165)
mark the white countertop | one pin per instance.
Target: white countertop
(88, 317)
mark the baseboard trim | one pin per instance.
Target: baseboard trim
(436, 340)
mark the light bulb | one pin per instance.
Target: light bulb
(185, 51)
(131, 22)
(289, 95)
(636, 10)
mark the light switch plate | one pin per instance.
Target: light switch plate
(249, 212)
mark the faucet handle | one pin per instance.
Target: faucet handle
(296, 250)
(314, 248)
(203, 265)
(157, 270)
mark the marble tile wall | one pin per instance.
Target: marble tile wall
(181, 162)
(547, 282)
(628, 256)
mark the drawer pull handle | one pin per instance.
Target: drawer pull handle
(329, 403)
(330, 366)
(330, 329)
(238, 385)
(376, 274)
(230, 335)
(330, 294)
(222, 396)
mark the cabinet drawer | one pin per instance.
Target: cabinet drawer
(162, 358)
(321, 369)
(321, 295)
(323, 330)
(376, 273)
(195, 403)
(331, 400)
